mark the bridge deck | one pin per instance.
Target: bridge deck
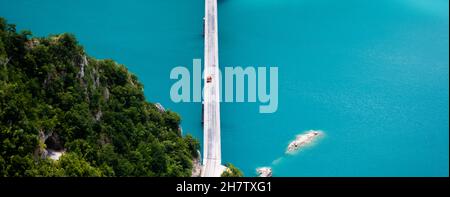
(211, 120)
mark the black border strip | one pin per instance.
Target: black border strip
(169, 185)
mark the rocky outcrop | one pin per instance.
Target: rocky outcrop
(49, 146)
(160, 107)
(302, 140)
(264, 172)
(54, 142)
(196, 166)
(83, 63)
(106, 94)
(98, 115)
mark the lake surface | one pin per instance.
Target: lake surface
(372, 75)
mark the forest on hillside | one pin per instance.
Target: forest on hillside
(54, 98)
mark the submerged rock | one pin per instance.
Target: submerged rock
(303, 140)
(264, 172)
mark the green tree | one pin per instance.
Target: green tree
(232, 171)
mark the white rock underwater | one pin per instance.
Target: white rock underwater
(264, 172)
(300, 141)
(303, 140)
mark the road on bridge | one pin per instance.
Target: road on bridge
(212, 166)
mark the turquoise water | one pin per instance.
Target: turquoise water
(373, 75)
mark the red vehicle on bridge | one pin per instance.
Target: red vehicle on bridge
(209, 79)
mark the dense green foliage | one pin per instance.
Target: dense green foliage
(232, 171)
(54, 97)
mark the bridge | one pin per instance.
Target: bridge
(212, 160)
